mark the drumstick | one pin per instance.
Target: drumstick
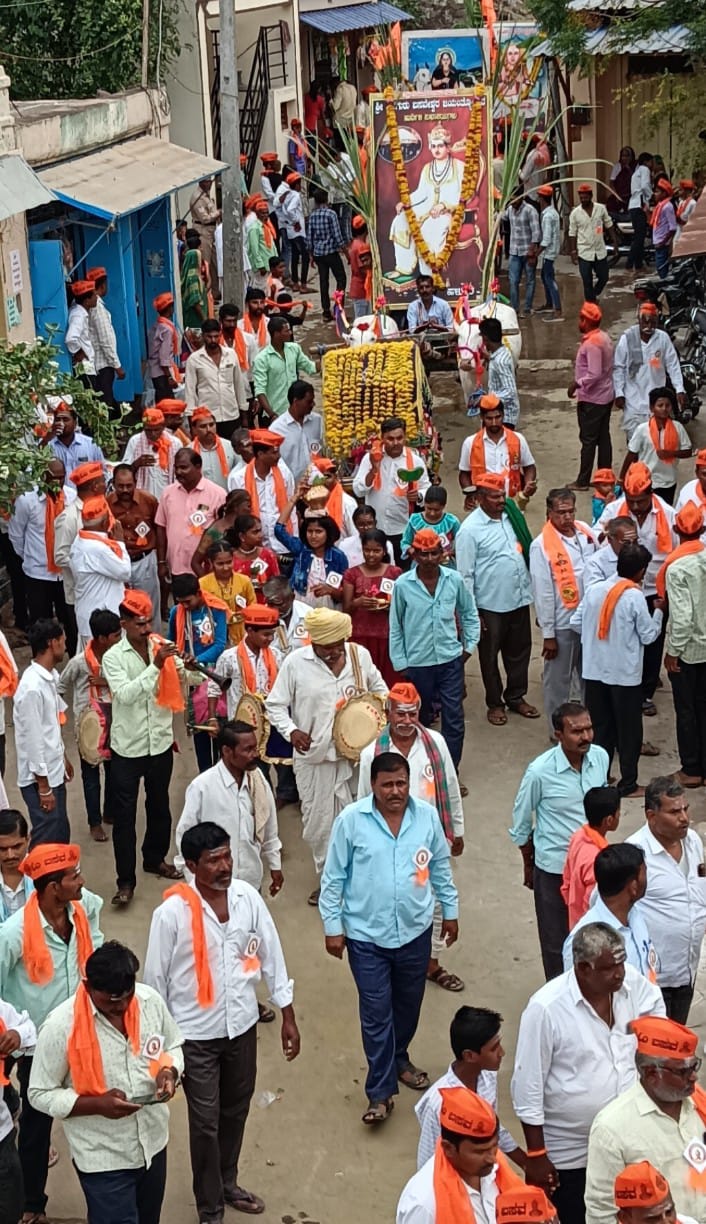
(199, 727)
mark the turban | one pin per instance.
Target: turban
(368, 90)
(264, 437)
(163, 301)
(604, 476)
(547, 190)
(425, 540)
(202, 414)
(700, 460)
(687, 184)
(585, 187)
(169, 407)
(524, 1203)
(466, 1113)
(491, 480)
(638, 479)
(358, 222)
(665, 185)
(488, 403)
(50, 857)
(591, 312)
(96, 274)
(251, 200)
(690, 519)
(661, 1038)
(81, 288)
(404, 694)
(640, 1185)
(260, 616)
(323, 463)
(153, 416)
(137, 603)
(293, 178)
(268, 157)
(325, 626)
(86, 472)
(94, 508)
(650, 309)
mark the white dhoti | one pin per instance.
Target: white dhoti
(144, 577)
(324, 791)
(403, 242)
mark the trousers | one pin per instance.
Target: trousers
(441, 686)
(508, 635)
(552, 920)
(561, 676)
(616, 714)
(390, 984)
(594, 274)
(32, 1144)
(126, 1196)
(517, 265)
(300, 257)
(326, 264)
(18, 581)
(677, 1000)
(91, 780)
(568, 1198)
(11, 1188)
(689, 696)
(550, 286)
(636, 256)
(143, 576)
(46, 826)
(652, 657)
(45, 599)
(126, 772)
(594, 434)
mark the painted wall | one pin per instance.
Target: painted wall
(16, 313)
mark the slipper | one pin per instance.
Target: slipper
(413, 1077)
(496, 716)
(524, 709)
(243, 1200)
(463, 789)
(378, 1111)
(648, 749)
(123, 897)
(166, 871)
(446, 980)
(54, 1158)
(265, 1015)
(313, 898)
(649, 709)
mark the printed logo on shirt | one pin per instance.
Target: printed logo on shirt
(387, 586)
(695, 1155)
(334, 580)
(197, 518)
(142, 530)
(251, 960)
(241, 601)
(428, 772)
(421, 862)
(300, 631)
(315, 448)
(154, 1046)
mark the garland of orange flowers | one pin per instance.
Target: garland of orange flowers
(471, 174)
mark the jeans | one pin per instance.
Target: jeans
(11, 1188)
(519, 264)
(662, 259)
(91, 780)
(326, 264)
(508, 634)
(125, 778)
(16, 574)
(594, 432)
(636, 255)
(300, 254)
(33, 1144)
(689, 695)
(616, 714)
(590, 269)
(361, 306)
(46, 826)
(552, 921)
(126, 1196)
(390, 984)
(441, 686)
(550, 286)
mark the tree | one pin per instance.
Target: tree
(568, 30)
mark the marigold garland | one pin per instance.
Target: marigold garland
(363, 385)
(471, 174)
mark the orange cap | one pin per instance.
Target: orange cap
(323, 464)
(640, 1185)
(243, 159)
(264, 437)
(94, 508)
(649, 308)
(162, 301)
(358, 222)
(491, 480)
(662, 1038)
(665, 185)
(80, 288)
(50, 857)
(687, 184)
(591, 312)
(638, 479)
(524, 1203)
(260, 616)
(268, 157)
(153, 416)
(488, 403)
(169, 407)
(86, 472)
(137, 603)
(690, 519)
(546, 190)
(404, 694)
(585, 187)
(293, 177)
(425, 540)
(295, 122)
(466, 1113)
(603, 476)
(700, 459)
(96, 274)
(202, 414)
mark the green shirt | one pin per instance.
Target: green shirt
(274, 373)
(686, 627)
(259, 253)
(139, 726)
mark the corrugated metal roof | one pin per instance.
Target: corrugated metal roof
(605, 6)
(674, 40)
(353, 17)
(20, 189)
(126, 176)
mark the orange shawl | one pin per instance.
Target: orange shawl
(609, 603)
(169, 691)
(247, 670)
(334, 505)
(53, 507)
(83, 1051)
(560, 564)
(241, 350)
(670, 437)
(163, 449)
(35, 953)
(687, 549)
(220, 451)
(211, 601)
(453, 1205)
(280, 488)
(664, 531)
(113, 545)
(205, 995)
(8, 674)
(262, 333)
(410, 489)
(513, 471)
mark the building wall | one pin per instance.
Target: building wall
(16, 314)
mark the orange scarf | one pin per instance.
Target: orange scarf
(280, 488)
(241, 350)
(220, 451)
(113, 545)
(247, 670)
(560, 564)
(334, 505)
(513, 471)
(211, 601)
(83, 1051)
(176, 372)
(169, 691)
(687, 549)
(664, 531)
(670, 437)
(8, 674)
(205, 994)
(35, 953)
(53, 507)
(409, 489)
(269, 234)
(657, 210)
(163, 448)
(262, 335)
(453, 1205)
(608, 605)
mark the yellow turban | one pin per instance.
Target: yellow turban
(325, 626)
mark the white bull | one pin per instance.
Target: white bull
(470, 340)
(362, 330)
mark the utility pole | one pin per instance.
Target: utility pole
(233, 287)
(144, 80)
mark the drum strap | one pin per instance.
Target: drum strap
(357, 670)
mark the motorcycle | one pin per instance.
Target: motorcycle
(675, 295)
(623, 227)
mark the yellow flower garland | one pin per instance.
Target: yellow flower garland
(362, 386)
(471, 174)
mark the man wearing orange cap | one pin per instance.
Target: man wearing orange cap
(495, 448)
(261, 243)
(270, 484)
(434, 630)
(99, 563)
(592, 386)
(69, 443)
(163, 348)
(642, 1196)
(152, 450)
(89, 481)
(695, 490)
(660, 1119)
(32, 532)
(78, 338)
(685, 641)
(44, 947)
(288, 200)
(588, 224)
(549, 248)
(664, 226)
(217, 454)
(102, 333)
(644, 358)
(462, 1181)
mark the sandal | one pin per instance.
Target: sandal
(123, 897)
(463, 789)
(166, 871)
(313, 898)
(648, 749)
(524, 709)
(378, 1111)
(649, 709)
(496, 716)
(412, 1077)
(446, 980)
(265, 1015)
(243, 1200)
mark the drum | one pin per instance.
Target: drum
(357, 724)
(92, 732)
(251, 709)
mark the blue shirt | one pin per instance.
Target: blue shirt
(423, 628)
(490, 561)
(550, 803)
(335, 561)
(639, 949)
(369, 887)
(438, 312)
(206, 633)
(81, 449)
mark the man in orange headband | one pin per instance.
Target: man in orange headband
(163, 348)
(44, 947)
(78, 339)
(495, 448)
(88, 478)
(270, 484)
(660, 443)
(100, 564)
(378, 481)
(662, 1116)
(592, 386)
(642, 1196)
(644, 358)
(217, 454)
(589, 223)
(685, 653)
(104, 1054)
(210, 943)
(151, 453)
(102, 332)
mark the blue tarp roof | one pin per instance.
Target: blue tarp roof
(353, 17)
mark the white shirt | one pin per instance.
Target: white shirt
(300, 442)
(589, 230)
(674, 905)
(569, 1064)
(100, 576)
(603, 563)
(6, 647)
(640, 187)
(220, 388)
(153, 479)
(390, 501)
(497, 458)
(646, 534)
(211, 464)
(38, 742)
(551, 613)
(228, 665)
(417, 1203)
(664, 475)
(169, 963)
(688, 493)
(617, 658)
(292, 208)
(659, 359)
(293, 635)
(102, 333)
(23, 1026)
(78, 336)
(421, 776)
(269, 510)
(215, 795)
(66, 528)
(26, 532)
(218, 247)
(428, 1110)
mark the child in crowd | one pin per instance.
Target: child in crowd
(434, 515)
(364, 519)
(319, 566)
(605, 490)
(601, 805)
(236, 590)
(660, 443)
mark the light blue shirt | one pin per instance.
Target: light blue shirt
(26, 532)
(438, 312)
(26, 889)
(639, 949)
(81, 449)
(549, 803)
(490, 561)
(617, 658)
(423, 628)
(369, 887)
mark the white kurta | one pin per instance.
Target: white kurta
(659, 359)
(439, 185)
(153, 479)
(100, 576)
(390, 501)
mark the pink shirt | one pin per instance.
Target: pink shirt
(579, 877)
(185, 516)
(594, 369)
